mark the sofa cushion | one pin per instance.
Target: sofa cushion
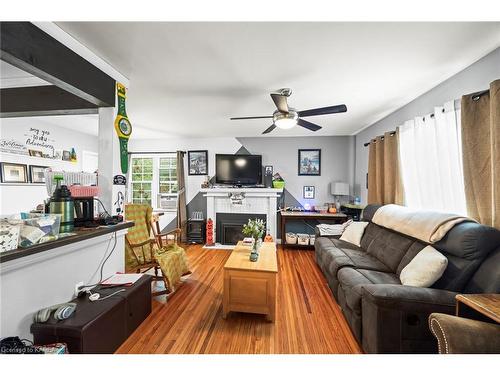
(388, 246)
(466, 246)
(351, 281)
(424, 269)
(354, 232)
(336, 254)
(487, 277)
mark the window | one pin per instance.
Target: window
(153, 180)
(168, 176)
(431, 161)
(142, 180)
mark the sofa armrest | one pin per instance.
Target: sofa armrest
(408, 297)
(394, 317)
(457, 335)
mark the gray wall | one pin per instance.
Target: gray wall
(474, 78)
(337, 162)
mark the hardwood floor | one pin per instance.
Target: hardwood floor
(308, 320)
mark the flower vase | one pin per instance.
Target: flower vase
(254, 254)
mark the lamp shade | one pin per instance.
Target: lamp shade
(339, 188)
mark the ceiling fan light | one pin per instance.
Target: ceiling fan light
(285, 120)
(285, 123)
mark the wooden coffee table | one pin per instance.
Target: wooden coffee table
(251, 286)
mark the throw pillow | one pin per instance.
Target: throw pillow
(425, 269)
(354, 232)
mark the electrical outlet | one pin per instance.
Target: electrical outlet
(78, 288)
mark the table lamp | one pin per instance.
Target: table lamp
(339, 189)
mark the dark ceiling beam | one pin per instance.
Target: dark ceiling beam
(42, 101)
(27, 47)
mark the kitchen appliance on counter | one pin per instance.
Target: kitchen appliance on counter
(62, 203)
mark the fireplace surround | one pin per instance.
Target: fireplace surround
(253, 202)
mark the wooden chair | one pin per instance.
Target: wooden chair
(143, 253)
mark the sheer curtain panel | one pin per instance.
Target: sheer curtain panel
(431, 162)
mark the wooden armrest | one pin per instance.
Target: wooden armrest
(176, 230)
(141, 243)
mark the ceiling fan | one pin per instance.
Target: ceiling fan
(286, 117)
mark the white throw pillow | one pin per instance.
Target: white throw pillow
(354, 232)
(425, 269)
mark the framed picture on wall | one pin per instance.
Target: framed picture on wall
(308, 192)
(66, 155)
(198, 162)
(13, 172)
(36, 153)
(37, 174)
(309, 163)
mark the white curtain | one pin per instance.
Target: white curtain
(431, 161)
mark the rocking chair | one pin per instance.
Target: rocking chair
(160, 252)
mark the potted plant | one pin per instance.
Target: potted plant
(255, 229)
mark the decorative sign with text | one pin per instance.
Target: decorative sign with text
(36, 138)
(13, 147)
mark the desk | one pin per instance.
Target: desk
(479, 306)
(338, 218)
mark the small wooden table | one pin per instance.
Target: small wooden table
(472, 305)
(251, 286)
(337, 218)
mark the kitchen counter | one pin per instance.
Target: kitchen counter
(81, 235)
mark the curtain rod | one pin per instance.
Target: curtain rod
(475, 96)
(153, 152)
(382, 137)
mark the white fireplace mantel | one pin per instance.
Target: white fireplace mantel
(255, 201)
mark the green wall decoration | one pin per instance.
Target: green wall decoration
(123, 127)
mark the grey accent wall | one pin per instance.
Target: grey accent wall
(337, 164)
(474, 78)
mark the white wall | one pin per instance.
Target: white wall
(474, 78)
(48, 278)
(25, 197)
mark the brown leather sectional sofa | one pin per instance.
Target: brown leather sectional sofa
(387, 317)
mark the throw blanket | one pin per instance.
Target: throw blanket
(427, 226)
(332, 230)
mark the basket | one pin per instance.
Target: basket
(291, 238)
(302, 239)
(278, 184)
(79, 191)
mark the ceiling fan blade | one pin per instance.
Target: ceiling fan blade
(308, 125)
(249, 118)
(323, 111)
(280, 102)
(269, 129)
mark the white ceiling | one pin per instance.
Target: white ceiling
(187, 79)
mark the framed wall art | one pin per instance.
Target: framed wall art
(37, 174)
(13, 172)
(198, 162)
(309, 163)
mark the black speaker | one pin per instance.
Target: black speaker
(268, 181)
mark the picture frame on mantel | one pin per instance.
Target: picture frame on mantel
(198, 163)
(13, 173)
(309, 162)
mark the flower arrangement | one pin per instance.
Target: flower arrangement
(254, 228)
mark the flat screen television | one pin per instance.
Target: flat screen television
(238, 169)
